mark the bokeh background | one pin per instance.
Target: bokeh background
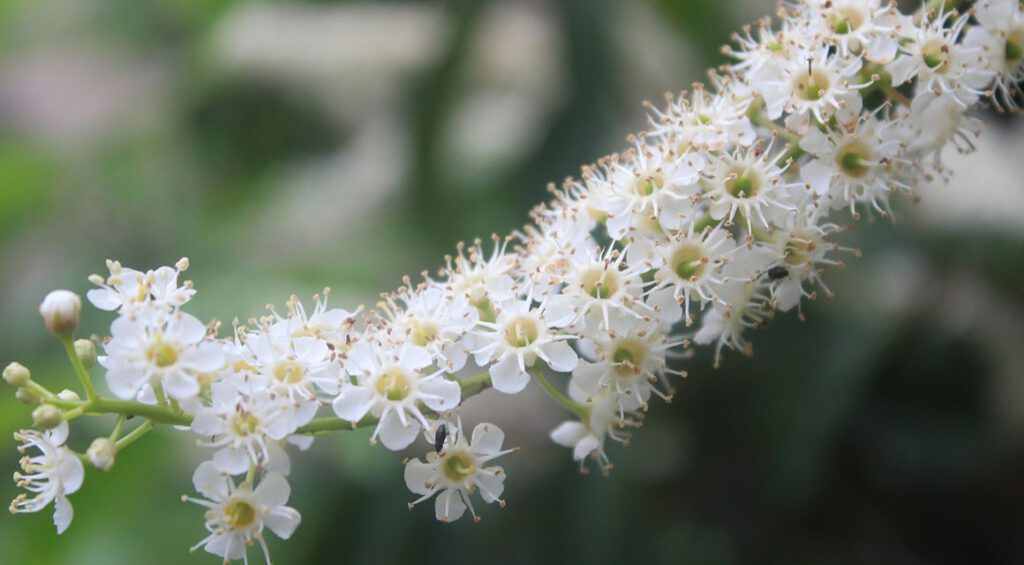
(285, 146)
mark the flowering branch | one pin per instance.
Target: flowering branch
(718, 218)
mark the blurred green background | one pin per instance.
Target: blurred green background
(284, 146)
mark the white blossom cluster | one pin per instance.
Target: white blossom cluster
(722, 214)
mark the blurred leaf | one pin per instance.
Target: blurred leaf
(27, 180)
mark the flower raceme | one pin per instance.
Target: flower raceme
(725, 212)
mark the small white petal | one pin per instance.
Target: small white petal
(353, 403)
(507, 377)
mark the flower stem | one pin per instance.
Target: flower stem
(476, 384)
(118, 427)
(582, 410)
(83, 375)
(334, 424)
(156, 414)
(135, 434)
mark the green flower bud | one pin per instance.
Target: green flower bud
(102, 453)
(86, 351)
(69, 396)
(17, 375)
(46, 417)
(26, 396)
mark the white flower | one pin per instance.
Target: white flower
(1001, 38)
(599, 284)
(436, 320)
(814, 82)
(704, 121)
(761, 56)
(648, 183)
(520, 335)
(50, 475)
(482, 280)
(935, 121)
(391, 385)
(629, 363)
(458, 471)
(331, 325)
(238, 515)
(750, 182)
(552, 247)
(246, 422)
(586, 438)
(802, 249)
(169, 351)
(294, 367)
(861, 26)
(60, 311)
(931, 53)
(690, 263)
(127, 289)
(855, 164)
(742, 303)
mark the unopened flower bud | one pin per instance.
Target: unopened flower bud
(26, 396)
(86, 351)
(46, 417)
(60, 310)
(102, 453)
(69, 396)
(17, 375)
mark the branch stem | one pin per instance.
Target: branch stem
(83, 375)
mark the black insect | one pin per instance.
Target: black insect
(777, 272)
(439, 436)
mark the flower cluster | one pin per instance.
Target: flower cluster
(719, 216)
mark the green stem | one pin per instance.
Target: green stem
(74, 413)
(892, 94)
(582, 410)
(83, 375)
(334, 424)
(157, 414)
(158, 392)
(474, 385)
(135, 434)
(42, 391)
(118, 427)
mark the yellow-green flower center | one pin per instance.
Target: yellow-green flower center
(239, 514)
(244, 423)
(394, 384)
(522, 332)
(851, 159)
(743, 183)
(628, 357)
(601, 283)
(847, 19)
(799, 249)
(936, 56)
(162, 354)
(289, 372)
(689, 262)
(646, 185)
(423, 332)
(812, 86)
(1014, 50)
(458, 466)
